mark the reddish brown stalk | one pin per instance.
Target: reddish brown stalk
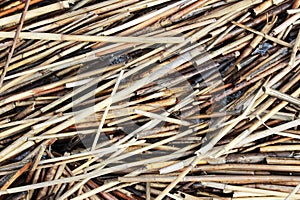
(296, 4)
(122, 195)
(15, 176)
(108, 196)
(16, 8)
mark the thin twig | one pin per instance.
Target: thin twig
(16, 38)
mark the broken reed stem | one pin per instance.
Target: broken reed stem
(249, 130)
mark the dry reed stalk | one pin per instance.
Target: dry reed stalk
(264, 6)
(270, 59)
(284, 89)
(268, 37)
(161, 118)
(226, 32)
(255, 42)
(13, 20)
(94, 173)
(285, 24)
(294, 50)
(86, 38)
(15, 37)
(237, 179)
(9, 124)
(144, 18)
(40, 68)
(281, 96)
(250, 167)
(292, 194)
(221, 21)
(276, 161)
(124, 92)
(293, 11)
(106, 186)
(100, 7)
(279, 148)
(181, 176)
(15, 176)
(16, 8)
(244, 189)
(153, 19)
(49, 86)
(236, 7)
(12, 4)
(106, 110)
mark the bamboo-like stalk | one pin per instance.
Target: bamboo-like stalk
(236, 7)
(257, 123)
(246, 167)
(285, 24)
(106, 111)
(269, 37)
(15, 176)
(159, 117)
(16, 8)
(255, 42)
(16, 36)
(281, 96)
(56, 93)
(14, 19)
(294, 51)
(264, 6)
(219, 178)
